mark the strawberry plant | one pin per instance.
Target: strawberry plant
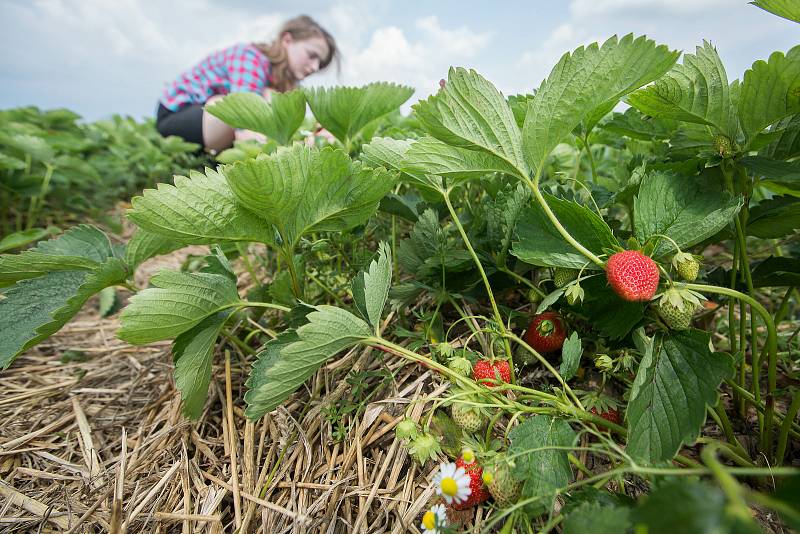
(462, 223)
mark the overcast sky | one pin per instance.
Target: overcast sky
(100, 57)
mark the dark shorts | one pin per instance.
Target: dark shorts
(187, 122)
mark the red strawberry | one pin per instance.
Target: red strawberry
(479, 492)
(498, 370)
(611, 415)
(546, 332)
(632, 275)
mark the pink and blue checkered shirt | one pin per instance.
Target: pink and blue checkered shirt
(241, 67)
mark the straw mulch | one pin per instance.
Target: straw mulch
(100, 445)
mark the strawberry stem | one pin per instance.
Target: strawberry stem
(495, 310)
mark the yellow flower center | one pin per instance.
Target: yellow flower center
(429, 520)
(449, 487)
(468, 456)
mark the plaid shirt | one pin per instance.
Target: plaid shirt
(241, 67)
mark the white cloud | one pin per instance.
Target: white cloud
(391, 55)
(590, 8)
(738, 31)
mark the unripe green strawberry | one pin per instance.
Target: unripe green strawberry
(563, 276)
(460, 365)
(501, 483)
(686, 266)
(632, 275)
(406, 428)
(674, 317)
(534, 297)
(467, 417)
(424, 447)
(723, 145)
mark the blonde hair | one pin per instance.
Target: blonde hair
(302, 27)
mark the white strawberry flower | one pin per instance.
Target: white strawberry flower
(452, 483)
(434, 519)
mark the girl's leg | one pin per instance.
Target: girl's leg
(217, 135)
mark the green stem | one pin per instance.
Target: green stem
(783, 309)
(740, 460)
(242, 248)
(772, 344)
(230, 336)
(466, 383)
(795, 428)
(591, 157)
(718, 412)
(550, 368)
(395, 261)
(522, 280)
(737, 504)
(733, 339)
(498, 318)
(326, 289)
(577, 463)
(534, 187)
(271, 306)
(288, 256)
(461, 312)
(38, 201)
(783, 435)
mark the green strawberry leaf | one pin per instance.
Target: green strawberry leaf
(774, 218)
(109, 303)
(371, 287)
(429, 250)
(634, 124)
(431, 156)
(278, 119)
(776, 272)
(469, 112)
(32, 310)
(788, 9)
(596, 517)
(145, 245)
(285, 367)
(177, 302)
(570, 356)
(689, 506)
(784, 139)
(25, 237)
(344, 111)
(539, 243)
(543, 469)
(299, 190)
(391, 154)
(200, 209)
(586, 81)
(788, 493)
(681, 208)
(677, 379)
(51, 284)
(193, 353)
(697, 91)
(502, 216)
(770, 91)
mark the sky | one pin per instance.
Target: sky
(103, 57)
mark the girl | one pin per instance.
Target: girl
(302, 48)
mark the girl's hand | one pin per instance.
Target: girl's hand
(244, 135)
(267, 93)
